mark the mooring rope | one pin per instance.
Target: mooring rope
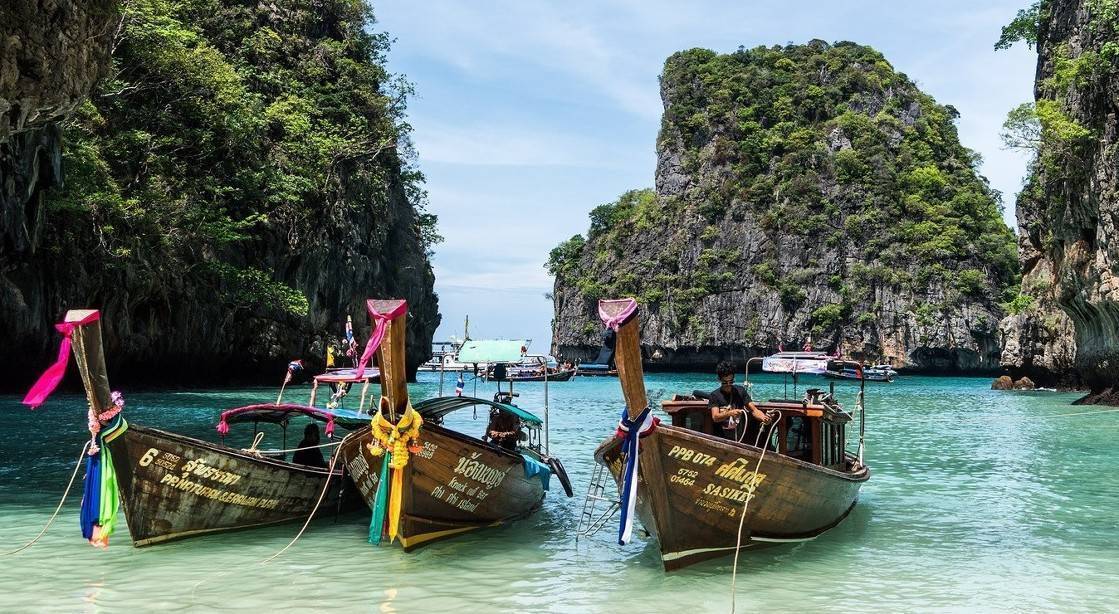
(321, 445)
(57, 509)
(746, 504)
(322, 494)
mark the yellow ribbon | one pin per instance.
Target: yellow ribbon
(400, 439)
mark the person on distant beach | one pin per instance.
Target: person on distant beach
(308, 454)
(729, 404)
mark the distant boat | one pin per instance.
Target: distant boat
(531, 368)
(854, 371)
(702, 495)
(603, 364)
(173, 486)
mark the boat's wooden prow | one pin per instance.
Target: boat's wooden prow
(384, 305)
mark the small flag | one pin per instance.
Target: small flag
(351, 343)
(459, 385)
(294, 367)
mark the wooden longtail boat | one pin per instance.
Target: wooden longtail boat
(691, 485)
(172, 486)
(451, 483)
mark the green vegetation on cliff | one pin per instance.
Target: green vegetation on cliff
(797, 167)
(231, 132)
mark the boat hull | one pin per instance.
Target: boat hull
(692, 488)
(455, 484)
(174, 486)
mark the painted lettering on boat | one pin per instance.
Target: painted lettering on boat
(197, 468)
(428, 450)
(200, 469)
(365, 479)
(217, 494)
(728, 492)
(476, 470)
(684, 476)
(691, 456)
(739, 471)
(716, 506)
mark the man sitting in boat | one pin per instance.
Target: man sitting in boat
(729, 403)
(308, 454)
(504, 429)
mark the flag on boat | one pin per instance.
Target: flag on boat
(351, 343)
(294, 367)
(459, 385)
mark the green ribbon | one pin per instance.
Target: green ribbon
(377, 525)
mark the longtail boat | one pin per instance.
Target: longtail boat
(427, 482)
(701, 495)
(172, 486)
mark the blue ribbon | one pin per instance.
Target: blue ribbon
(633, 430)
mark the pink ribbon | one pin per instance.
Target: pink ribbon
(380, 325)
(616, 321)
(50, 378)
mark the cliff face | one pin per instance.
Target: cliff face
(1067, 213)
(236, 184)
(802, 193)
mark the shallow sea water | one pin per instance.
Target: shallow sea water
(978, 500)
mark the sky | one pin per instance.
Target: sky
(527, 114)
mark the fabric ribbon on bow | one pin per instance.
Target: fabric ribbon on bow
(631, 432)
(100, 493)
(380, 326)
(395, 442)
(615, 321)
(50, 378)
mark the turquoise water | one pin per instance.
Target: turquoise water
(978, 500)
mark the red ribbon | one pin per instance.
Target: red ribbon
(380, 320)
(50, 378)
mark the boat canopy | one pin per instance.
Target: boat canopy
(441, 406)
(281, 414)
(492, 350)
(342, 376)
(796, 362)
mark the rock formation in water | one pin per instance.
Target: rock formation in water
(802, 192)
(1068, 212)
(237, 181)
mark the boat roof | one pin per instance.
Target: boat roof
(441, 406)
(348, 375)
(796, 362)
(492, 350)
(282, 413)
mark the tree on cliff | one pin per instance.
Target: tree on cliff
(248, 164)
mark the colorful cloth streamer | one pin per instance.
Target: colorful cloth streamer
(381, 325)
(100, 494)
(50, 378)
(614, 322)
(396, 442)
(631, 432)
(377, 524)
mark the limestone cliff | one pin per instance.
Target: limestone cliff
(802, 192)
(238, 180)
(1069, 209)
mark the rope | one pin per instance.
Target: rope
(746, 505)
(256, 442)
(57, 509)
(322, 494)
(321, 445)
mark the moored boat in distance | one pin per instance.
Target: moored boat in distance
(701, 495)
(846, 369)
(172, 486)
(426, 482)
